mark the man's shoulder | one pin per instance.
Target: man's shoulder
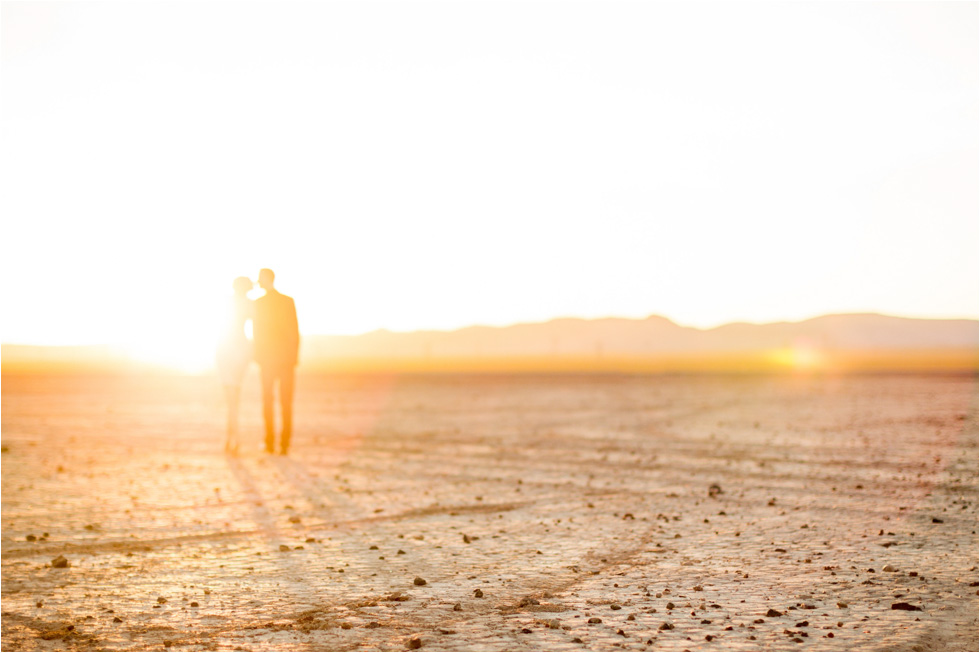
(274, 299)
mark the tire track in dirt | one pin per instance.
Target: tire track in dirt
(122, 546)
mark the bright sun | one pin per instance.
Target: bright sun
(186, 341)
(190, 350)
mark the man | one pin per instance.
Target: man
(275, 333)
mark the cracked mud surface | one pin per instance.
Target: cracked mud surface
(677, 511)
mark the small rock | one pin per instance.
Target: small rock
(577, 640)
(803, 624)
(167, 643)
(400, 552)
(31, 538)
(60, 562)
(310, 540)
(937, 520)
(478, 593)
(458, 607)
(841, 604)
(294, 520)
(466, 538)
(666, 626)
(595, 620)
(373, 547)
(283, 547)
(526, 631)
(116, 620)
(346, 625)
(632, 617)
(708, 638)
(161, 599)
(714, 490)
(527, 600)
(670, 605)
(889, 568)
(195, 604)
(615, 606)
(773, 613)
(621, 632)
(40, 603)
(373, 624)
(902, 605)
(419, 581)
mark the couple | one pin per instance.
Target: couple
(274, 346)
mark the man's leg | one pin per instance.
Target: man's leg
(268, 406)
(287, 377)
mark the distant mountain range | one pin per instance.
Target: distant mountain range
(853, 341)
(651, 336)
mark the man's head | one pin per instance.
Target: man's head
(266, 278)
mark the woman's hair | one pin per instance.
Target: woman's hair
(242, 285)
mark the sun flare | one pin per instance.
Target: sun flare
(798, 357)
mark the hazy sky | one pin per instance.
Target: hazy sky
(433, 165)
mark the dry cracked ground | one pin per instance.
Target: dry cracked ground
(494, 513)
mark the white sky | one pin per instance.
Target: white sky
(421, 165)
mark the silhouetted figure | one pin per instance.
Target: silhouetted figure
(276, 335)
(234, 355)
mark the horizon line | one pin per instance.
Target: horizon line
(547, 321)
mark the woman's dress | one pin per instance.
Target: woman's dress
(235, 349)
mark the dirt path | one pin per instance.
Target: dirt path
(562, 513)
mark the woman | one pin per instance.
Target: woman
(234, 354)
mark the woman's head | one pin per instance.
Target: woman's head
(241, 285)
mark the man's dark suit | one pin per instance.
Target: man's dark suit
(275, 333)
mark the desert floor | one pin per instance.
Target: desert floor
(555, 513)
